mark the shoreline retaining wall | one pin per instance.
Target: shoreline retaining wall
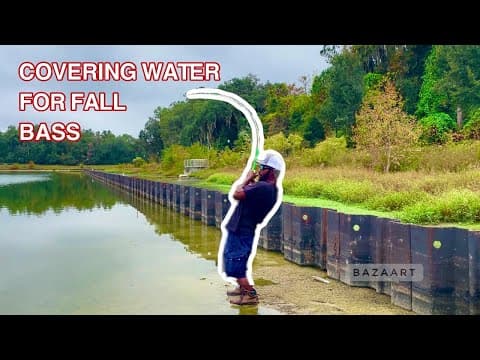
(333, 241)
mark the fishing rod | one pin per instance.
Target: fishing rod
(257, 148)
(247, 110)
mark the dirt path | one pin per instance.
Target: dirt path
(291, 289)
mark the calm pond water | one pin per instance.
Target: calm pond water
(70, 245)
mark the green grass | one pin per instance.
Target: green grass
(343, 208)
(335, 205)
(454, 207)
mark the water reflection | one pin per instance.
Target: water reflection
(96, 250)
(197, 238)
(8, 178)
(38, 193)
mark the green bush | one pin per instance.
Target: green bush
(449, 157)
(243, 142)
(230, 157)
(394, 201)
(471, 128)
(285, 145)
(435, 128)
(138, 162)
(303, 188)
(371, 80)
(420, 213)
(296, 143)
(454, 206)
(349, 191)
(222, 179)
(328, 152)
(172, 158)
(278, 142)
(198, 151)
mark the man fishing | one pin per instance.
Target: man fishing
(255, 200)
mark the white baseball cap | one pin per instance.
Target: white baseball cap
(272, 159)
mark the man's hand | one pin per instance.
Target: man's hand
(250, 177)
(239, 193)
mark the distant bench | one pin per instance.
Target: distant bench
(192, 165)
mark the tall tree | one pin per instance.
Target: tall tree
(93, 148)
(345, 92)
(430, 99)
(382, 128)
(461, 79)
(150, 139)
(408, 65)
(405, 63)
(277, 108)
(314, 131)
(250, 88)
(451, 83)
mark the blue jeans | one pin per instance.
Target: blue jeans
(235, 255)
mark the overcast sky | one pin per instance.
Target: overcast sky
(273, 63)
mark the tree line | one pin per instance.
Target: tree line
(93, 148)
(429, 94)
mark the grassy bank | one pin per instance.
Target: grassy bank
(434, 198)
(431, 197)
(420, 197)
